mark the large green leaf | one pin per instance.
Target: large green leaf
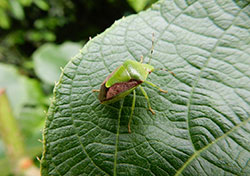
(201, 127)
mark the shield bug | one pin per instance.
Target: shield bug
(124, 80)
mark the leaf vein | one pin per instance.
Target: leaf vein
(198, 152)
(117, 138)
(199, 77)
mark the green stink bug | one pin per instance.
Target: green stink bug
(125, 79)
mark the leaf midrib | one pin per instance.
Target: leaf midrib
(118, 128)
(117, 137)
(160, 36)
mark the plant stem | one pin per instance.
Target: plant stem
(10, 133)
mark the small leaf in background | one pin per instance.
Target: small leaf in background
(16, 9)
(18, 88)
(40, 35)
(23, 93)
(25, 2)
(42, 4)
(201, 126)
(139, 5)
(4, 19)
(4, 4)
(50, 57)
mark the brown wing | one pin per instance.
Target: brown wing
(121, 87)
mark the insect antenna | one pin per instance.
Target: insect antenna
(152, 48)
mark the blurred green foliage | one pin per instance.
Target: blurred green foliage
(50, 57)
(28, 103)
(139, 5)
(33, 48)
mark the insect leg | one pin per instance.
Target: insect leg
(153, 85)
(95, 90)
(132, 111)
(146, 96)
